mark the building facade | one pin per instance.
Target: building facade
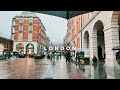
(29, 34)
(99, 33)
(6, 42)
(75, 24)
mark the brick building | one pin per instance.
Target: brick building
(6, 42)
(29, 34)
(75, 24)
(99, 32)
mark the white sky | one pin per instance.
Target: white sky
(56, 27)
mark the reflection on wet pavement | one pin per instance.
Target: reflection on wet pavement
(62, 70)
(23, 69)
(98, 71)
(27, 68)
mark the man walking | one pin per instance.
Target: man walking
(77, 57)
(68, 56)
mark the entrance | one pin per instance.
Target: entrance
(100, 53)
(20, 48)
(86, 43)
(29, 49)
(98, 33)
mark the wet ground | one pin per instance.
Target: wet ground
(98, 71)
(27, 68)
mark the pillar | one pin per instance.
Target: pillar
(111, 40)
(93, 47)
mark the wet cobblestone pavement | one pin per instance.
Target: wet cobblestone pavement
(27, 68)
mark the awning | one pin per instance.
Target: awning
(63, 14)
(116, 48)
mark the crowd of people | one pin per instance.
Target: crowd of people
(70, 56)
(53, 56)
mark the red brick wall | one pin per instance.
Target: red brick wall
(25, 27)
(35, 36)
(25, 36)
(16, 27)
(36, 29)
(7, 43)
(26, 21)
(16, 36)
(17, 21)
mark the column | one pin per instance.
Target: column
(35, 47)
(111, 40)
(93, 47)
(14, 46)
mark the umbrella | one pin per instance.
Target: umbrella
(63, 14)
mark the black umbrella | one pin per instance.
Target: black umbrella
(63, 14)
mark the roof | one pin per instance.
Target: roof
(26, 14)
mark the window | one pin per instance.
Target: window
(21, 28)
(21, 21)
(20, 37)
(30, 37)
(30, 28)
(31, 21)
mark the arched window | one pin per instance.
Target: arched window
(20, 48)
(29, 49)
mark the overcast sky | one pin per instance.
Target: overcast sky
(56, 27)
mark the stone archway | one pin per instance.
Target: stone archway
(98, 37)
(20, 48)
(115, 34)
(119, 26)
(86, 43)
(29, 49)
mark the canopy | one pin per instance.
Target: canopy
(63, 14)
(116, 48)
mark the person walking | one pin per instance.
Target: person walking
(68, 56)
(94, 60)
(53, 56)
(57, 56)
(77, 57)
(60, 55)
(8, 55)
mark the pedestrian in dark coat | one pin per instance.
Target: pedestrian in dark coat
(77, 56)
(94, 59)
(68, 56)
